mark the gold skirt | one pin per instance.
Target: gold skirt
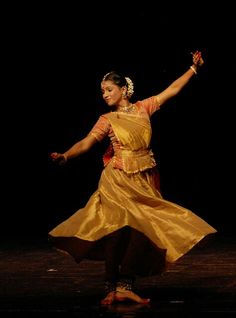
(130, 200)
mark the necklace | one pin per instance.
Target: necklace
(127, 109)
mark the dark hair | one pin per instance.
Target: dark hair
(116, 78)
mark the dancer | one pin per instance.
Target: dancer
(126, 221)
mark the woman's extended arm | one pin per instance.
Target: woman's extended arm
(76, 150)
(175, 87)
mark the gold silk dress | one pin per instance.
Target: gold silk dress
(127, 196)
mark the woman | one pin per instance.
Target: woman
(126, 221)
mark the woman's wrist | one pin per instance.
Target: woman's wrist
(65, 156)
(197, 61)
(194, 68)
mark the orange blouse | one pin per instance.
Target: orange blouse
(103, 128)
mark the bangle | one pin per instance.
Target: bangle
(193, 69)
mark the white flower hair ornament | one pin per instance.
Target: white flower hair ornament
(130, 87)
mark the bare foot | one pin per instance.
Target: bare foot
(123, 295)
(109, 299)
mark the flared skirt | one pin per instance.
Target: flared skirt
(130, 200)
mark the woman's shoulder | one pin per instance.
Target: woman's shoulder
(105, 115)
(149, 104)
(146, 100)
(104, 118)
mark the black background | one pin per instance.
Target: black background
(55, 57)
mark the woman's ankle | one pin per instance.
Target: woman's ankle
(125, 284)
(109, 286)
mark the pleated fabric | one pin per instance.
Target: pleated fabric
(132, 200)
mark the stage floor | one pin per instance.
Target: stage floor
(36, 280)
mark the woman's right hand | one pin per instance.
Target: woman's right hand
(59, 158)
(197, 59)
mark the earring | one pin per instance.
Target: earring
(124, 95)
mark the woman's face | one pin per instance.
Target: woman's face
(111, 93)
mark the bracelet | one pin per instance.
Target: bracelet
(193, 69)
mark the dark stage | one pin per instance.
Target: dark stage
(56, 56)
(37, 281)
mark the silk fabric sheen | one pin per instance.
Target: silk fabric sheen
(128, 196)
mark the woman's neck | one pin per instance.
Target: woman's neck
(129, 108)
